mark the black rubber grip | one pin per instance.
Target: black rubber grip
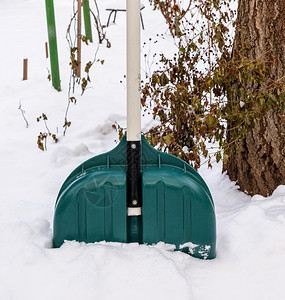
(134, 174)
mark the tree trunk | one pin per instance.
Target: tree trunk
(258, 165)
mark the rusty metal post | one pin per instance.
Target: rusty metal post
(25, 69)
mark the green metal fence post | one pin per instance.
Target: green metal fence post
(87, 20)
(52, 44)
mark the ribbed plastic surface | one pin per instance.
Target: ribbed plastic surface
(177, 204)
(177, 210)
(92, 208)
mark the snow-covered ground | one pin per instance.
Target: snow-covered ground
(250, 261)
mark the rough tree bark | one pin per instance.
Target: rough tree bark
(259, 164)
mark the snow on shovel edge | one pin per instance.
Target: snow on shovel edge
(203, 250)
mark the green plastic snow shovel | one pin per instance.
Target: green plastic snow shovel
(135, 193)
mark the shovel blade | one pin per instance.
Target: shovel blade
(177, 205)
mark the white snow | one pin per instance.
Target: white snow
(250, 259)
